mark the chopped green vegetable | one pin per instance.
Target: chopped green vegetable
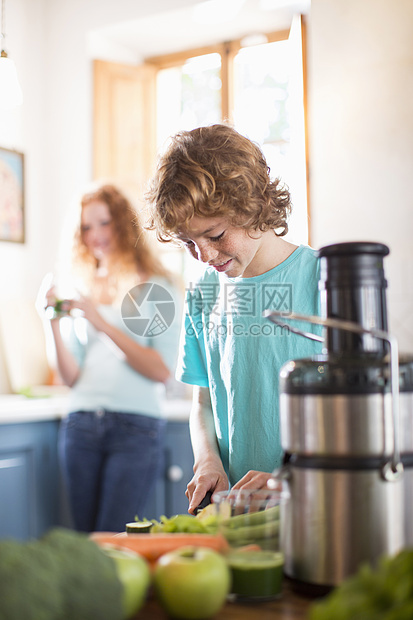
(183, 524)
(254, 518)
(28, 393)
(144, 520)
(240, 528)
(209, 511)
(139, 527)
(250, 533)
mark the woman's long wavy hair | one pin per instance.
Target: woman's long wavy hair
(133, 251)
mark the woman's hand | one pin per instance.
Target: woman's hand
(147, 361)
(50, 297)
(46, 295)
(66, 363)
(90, 312)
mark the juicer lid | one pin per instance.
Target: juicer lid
(354, 247)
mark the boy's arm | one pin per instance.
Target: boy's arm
(209, 474)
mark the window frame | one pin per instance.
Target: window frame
(112, 127)
(227, 50)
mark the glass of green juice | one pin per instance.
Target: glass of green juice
(60, 308)
(250, 521)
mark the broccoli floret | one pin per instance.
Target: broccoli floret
(89, 583)
(63, 576)
(29, 583)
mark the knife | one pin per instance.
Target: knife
(204, 502)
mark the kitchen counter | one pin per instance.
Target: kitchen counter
(16, 408)
(290, 606)
(51, 404)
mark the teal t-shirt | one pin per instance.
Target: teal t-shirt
(229, 347)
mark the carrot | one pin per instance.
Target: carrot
(152, 546)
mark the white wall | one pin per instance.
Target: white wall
(361, 128)
(24, 129)
(47, 40)
(361, 100)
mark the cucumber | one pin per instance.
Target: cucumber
(252, 533)
(139, 527)
(253, 518)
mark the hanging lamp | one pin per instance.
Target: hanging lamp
(10, 92)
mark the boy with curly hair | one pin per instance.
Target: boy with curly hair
(212, 191)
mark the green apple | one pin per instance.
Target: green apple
(192, 582)
(134, 574)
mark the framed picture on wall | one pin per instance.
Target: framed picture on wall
(11, 196)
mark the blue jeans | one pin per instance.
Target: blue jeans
(111, 462)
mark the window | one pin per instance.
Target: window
(260, 88)
(188, 95)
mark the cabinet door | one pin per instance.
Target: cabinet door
(179, 467)
(16, 470)
(29, 496)
(155, 505)
(169, 496)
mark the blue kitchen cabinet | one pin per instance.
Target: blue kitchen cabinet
(179, 467)
(169, 496)
(32, 499)
(29, 493)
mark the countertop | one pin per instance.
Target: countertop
(290, 606)
(50, 403)
(16, 408)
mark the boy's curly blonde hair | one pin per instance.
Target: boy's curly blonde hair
(214, 171)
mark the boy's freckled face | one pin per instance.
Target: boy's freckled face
(227, 248)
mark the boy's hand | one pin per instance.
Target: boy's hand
(201, 483)
(253, 480)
